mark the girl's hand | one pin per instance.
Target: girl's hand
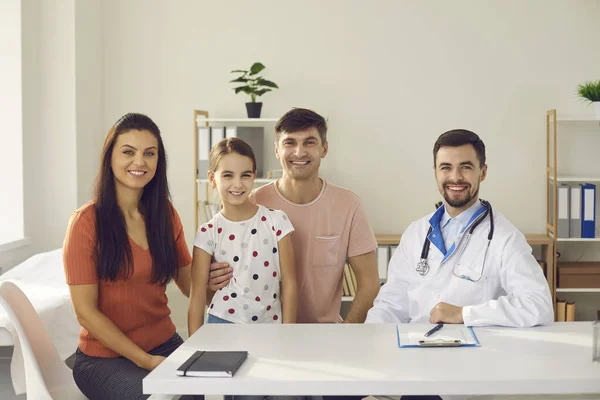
(220, 275)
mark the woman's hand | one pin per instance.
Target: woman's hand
(153, 362)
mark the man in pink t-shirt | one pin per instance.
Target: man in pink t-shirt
(330, 224)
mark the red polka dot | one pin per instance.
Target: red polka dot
(255, 253)
(278, 233)
(231, 237)
(225, 298)
(231, 311)
(210, 225)
(203, 229)
(274, 274)
(273, 228)
(220, 230)
(268, 308)
(263, 218)
(266, 263)
(275, 317)
(257, 298)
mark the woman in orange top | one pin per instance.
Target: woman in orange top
(120, 251)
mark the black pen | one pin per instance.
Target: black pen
(434, 330)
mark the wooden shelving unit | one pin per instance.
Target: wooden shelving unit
(553, 179)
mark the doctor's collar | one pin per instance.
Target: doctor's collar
(441, 216)
(464, 217)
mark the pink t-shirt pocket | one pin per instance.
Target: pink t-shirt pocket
(326, 251)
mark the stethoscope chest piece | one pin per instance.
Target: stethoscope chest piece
(423, 267)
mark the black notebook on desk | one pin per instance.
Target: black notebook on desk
(214, 364)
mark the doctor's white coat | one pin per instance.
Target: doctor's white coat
(512, 290)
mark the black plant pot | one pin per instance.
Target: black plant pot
(253, 109)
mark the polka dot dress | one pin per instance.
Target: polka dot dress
(251, 249)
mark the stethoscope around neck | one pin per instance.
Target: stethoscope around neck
(423, 266)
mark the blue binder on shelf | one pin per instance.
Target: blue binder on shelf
(588, 208)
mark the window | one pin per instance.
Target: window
(11, 128)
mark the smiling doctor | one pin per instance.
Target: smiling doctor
(465, 263)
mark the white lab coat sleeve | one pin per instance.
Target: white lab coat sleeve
(391, 304)
(528, 301)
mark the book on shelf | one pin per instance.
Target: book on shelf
(570, 311)
(348, 278)
(354, 281)
(383, 255)
(203, 151)
(561, 310)
(588, 207)
(345, 288)
(217, 133)
(575, 217)
(563, 211)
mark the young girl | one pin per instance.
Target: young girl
(253, 239)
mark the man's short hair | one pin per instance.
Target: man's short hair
(460, 137)
(300, 119)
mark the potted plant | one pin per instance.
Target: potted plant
(253, 85)
(590, 91)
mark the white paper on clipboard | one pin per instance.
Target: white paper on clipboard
(411, 335)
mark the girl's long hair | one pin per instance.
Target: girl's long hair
(113, 254)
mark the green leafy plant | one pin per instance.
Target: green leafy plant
(590, 91)
(254, 85)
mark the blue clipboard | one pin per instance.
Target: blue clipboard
(453, 336)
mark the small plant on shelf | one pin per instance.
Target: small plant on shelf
(254, 86)
(590, 91)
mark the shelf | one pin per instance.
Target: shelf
(576, 178)
(385, 239)
(244, 120)
(257, 180)
(578, 239)
(576, 118)
(578, 290)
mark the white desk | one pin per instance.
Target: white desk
(343, 359)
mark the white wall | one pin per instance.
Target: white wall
(49, 139)
(89, 93)
(389, 75)
(11, 162)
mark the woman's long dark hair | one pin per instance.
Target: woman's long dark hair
(114, 258)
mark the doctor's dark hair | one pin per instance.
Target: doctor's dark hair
(114, 259)
(300, 119)
(460, 137)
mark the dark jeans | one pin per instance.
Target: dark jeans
(117, 378)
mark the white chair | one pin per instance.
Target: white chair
(46, 376)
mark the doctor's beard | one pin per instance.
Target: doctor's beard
(459, 202)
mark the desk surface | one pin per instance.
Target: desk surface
(344, 359)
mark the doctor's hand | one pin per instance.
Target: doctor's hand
(446, 313)
(220, 274)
